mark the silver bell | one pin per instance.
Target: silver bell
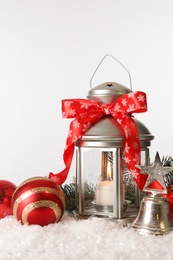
(154, 213)
(153, 216)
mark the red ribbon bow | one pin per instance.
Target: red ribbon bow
(87, 112)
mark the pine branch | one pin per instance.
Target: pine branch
(167, 161)
(70, 194)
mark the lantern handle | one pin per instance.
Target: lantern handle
(115, 60)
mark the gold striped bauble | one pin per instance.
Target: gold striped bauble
(38, 200)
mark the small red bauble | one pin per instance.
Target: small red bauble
(38, 200)
(7, 189)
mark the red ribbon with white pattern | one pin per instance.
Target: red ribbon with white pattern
(87, 112)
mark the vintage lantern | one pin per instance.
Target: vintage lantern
(100, 163)
(109, 144)
(105, 186)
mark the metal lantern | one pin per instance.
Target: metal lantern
(105, 186)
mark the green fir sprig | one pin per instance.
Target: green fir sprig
(70, 194)
(167, 161)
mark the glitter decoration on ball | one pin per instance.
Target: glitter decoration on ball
(38, 200)
(7, 189)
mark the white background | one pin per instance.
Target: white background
(49, 50)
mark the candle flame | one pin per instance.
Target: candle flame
(109, 171)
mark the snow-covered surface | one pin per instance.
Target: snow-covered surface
(72, 239)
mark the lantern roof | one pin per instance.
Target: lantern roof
(107, 92)
(107, 130)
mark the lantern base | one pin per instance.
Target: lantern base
(109, 208)
(103, 208)
(125, 221)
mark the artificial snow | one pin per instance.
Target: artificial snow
(87, 239)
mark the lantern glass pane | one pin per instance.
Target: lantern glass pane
(105, 186)
(99, 181)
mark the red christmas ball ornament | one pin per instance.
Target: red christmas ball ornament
(7, 189)
(38, 200)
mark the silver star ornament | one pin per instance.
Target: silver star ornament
(155, 172)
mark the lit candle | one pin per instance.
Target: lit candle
(104, 193)
(104, 190)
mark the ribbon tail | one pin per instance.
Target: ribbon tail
(61, 177)
(132, 154)
(77, 128)
(141, 180)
